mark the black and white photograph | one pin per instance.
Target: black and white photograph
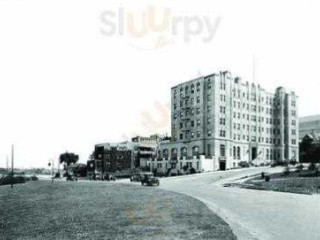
(159, 120)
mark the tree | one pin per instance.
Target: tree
(309, 150)
(68, 159)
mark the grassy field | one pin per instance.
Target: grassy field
(292, 183)
(102, 210)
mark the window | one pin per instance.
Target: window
(181, 136)
(198, 134)
(198, 111)
(198, 99)
(209, 84)
(222, 150)
(209, 133)
(198, 122)
(209, 150)
(222, 133)
(209, 120)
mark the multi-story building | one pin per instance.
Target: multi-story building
(124, 156)
(309, 125)
(220, 118)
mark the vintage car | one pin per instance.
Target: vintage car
(72, 178)
(149, 179)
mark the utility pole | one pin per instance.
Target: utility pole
(12, 161)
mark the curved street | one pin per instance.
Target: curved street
(253, 214)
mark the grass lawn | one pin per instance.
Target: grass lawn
(102, 210)
(287, 183)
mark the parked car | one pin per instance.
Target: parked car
(72, 178)
(135, 178)
(149, 179)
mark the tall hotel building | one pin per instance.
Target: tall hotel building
(228, 121)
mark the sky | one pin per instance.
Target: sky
(75, 73)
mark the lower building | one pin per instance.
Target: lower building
(309, 125)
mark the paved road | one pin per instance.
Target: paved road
(253, 214)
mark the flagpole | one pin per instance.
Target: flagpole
(12, 163)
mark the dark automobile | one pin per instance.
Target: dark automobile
(149, 179)
(135, 178)
(71, 178)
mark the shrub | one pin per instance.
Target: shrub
(34, 178)
(160, 174)
(312, 167)
(309, 174)
(267, 178)
(273, 164)
(192, 171)
(185, 168)
(12, 180)
(293, 162)
(299, 168)
(244, 164)
(286, 171)
(263, 175)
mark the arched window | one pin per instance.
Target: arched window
(174, 153)
(183, 152)
(239, 152)
(234, 152)
(195, 150)
(165, 153)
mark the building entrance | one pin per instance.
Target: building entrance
(222, 165)
(253, 153)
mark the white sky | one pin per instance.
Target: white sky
(65, 86)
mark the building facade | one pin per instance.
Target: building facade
(309, 125)
(123, 157)
(227, 121)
